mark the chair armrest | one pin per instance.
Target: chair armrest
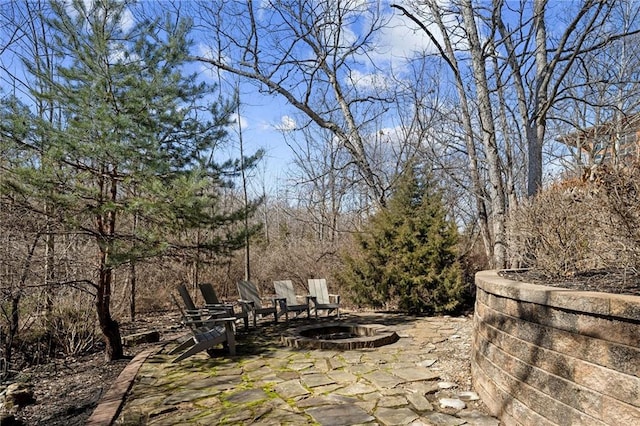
(204, 323)
(336, 297)
(196, 315)
(247, 305)
(217, 305)
(220, 312)
(275, 300)
(227, 308)
(222, 319)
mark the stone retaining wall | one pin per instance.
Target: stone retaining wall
(551, 356)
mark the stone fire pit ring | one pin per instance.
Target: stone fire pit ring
(339, 336)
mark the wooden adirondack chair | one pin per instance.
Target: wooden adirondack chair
(205, 333)
(191, 310)
(211, 301)
(288, 301)
(186, 299)
(252, 303)
(322, 300)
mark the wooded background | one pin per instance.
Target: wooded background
(116, 183)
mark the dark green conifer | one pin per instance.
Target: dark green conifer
(408, 254)
(133, 136)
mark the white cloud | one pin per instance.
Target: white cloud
(242, 120)
(118, 55)
(369, 81)
(287, 124)
(402, 38)
(207, 70)
(127, 21)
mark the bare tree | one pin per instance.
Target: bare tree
(28, 42)
(307, 52)
(447, 50)
(601, 98)
(510, 71)
(321, 180)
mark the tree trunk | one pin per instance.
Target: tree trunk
(132, 287)
(496, 190)
(106, 225)
(245, 199)
(14, 321)
(448, 54)
(534, 140)
(132, 276)
(109, 327)
(533, 174)
(510, 184)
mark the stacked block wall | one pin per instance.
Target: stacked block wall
(551, 356)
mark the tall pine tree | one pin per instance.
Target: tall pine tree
(133, 136)
(407, 254)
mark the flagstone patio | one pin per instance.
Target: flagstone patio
(422, 379)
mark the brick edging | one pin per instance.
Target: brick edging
(109, 406)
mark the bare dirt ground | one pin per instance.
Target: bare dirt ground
(615, 281)
(67, 390)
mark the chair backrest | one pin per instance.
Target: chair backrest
(249, 291)
(192, 321)
(182, 313)
(284, 288)
(186, 298)
(318, 288)
(209, 294)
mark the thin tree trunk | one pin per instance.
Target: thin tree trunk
(496, 190)
(133, 277)
(534, 141)
(109, 327)
(508, 146)
(106, 230)
(526, 120)
(247, 258)
(448, 54)
(132, 287)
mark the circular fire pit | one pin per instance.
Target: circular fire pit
(339, 335)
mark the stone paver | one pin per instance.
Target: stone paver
(419, 402)
(315, 380)
(442, 419)
(356, 389)
(383, 380)
(247, 396)
(342, 376)
(476, 418)
(456, 403)
(266, 383)
(340, 415)
(415, 374)
(392, 401)
(291, 389)
(395, 416)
